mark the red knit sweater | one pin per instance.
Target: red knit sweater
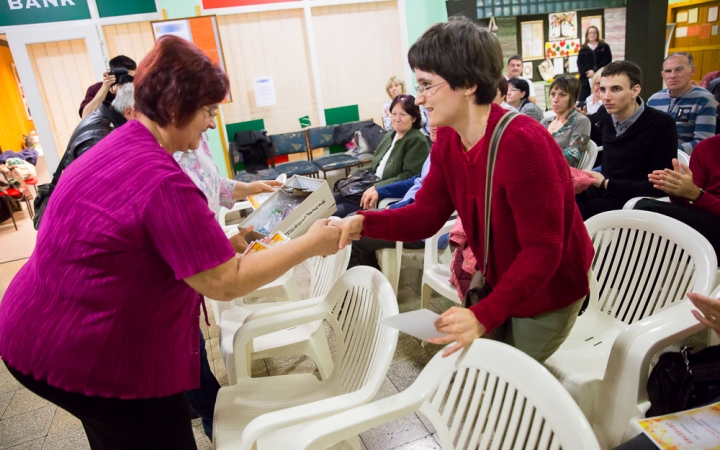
(540, 250)
(705, 167)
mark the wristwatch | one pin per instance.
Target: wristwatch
(692, 202)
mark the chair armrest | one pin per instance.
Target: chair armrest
(431, 245)
(351, 422)
(298, 313)
(284, 308)
(384, 203)
(630, 204)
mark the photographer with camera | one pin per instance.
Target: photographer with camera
(122, 70)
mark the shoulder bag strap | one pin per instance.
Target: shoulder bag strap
(492, 156)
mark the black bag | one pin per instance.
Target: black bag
(479, 287)
(682, 381)
(255, 147)
(353, 187)
(345, 132)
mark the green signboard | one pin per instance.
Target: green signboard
(24, 12)
(112, 8)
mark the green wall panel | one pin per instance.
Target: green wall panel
(25, 12)
(112, 8)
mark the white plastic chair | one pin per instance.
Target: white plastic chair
(644, 265)
(353, 307)
(436, 275)
(683, 157)
(390, 260)
(306, 339)
(587, 162)
(384, 203)
(490, 396)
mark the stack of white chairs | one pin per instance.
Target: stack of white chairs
(491, 396)
(306, 339)
(250, 409)
(644, 264)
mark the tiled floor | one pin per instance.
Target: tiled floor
(29, 422)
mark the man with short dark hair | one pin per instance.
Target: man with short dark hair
(104, 91)
(636, 141)
(692, 107)
(514, 70)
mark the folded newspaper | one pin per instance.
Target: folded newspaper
(275, 239)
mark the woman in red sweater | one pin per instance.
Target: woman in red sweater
(540, 251)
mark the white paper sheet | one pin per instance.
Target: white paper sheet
(680, 32)
(572, 64)
(264, 91)
(712, 14)
(682, 17)
(419, 323)
(693, 15)
(695, 429)
(559, 66)
(714, 30)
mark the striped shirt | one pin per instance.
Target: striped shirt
(693, 112)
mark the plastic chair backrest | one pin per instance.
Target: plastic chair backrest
(495, 395)
(431, 245)
(645, 262)
(363, 297)
(324, 272)
(588, 160)
(683, 157)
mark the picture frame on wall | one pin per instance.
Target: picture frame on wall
(591, 21)
(532, 36)
(563, 25)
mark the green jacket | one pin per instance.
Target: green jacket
(406, 159)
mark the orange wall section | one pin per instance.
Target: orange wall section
(13, 120)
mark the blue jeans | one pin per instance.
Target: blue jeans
(202, 399)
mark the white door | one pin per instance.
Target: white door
(56, 63)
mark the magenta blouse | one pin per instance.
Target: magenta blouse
(101, 307)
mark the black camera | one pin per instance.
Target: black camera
(121, 75)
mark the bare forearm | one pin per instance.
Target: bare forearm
(94, 103)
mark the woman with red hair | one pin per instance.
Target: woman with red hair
(127, 250)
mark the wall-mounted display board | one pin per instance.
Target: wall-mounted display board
(25, 12)
(693, 33)
(201, 31)
(212, 4)
(114, 8)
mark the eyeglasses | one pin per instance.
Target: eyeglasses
(514, 90)
(212, 112)
(425, 90)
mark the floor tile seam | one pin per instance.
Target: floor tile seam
(410, 442)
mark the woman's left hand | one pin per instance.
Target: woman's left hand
(239, 241)
(461, 327)
(710, 309)
(597, 175)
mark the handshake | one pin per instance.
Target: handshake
(325, 237)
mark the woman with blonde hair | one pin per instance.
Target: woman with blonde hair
(394, 87)
(593, 101)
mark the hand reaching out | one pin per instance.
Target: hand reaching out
(239, 241)
(350, 227)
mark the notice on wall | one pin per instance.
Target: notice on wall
(712, 14)
(705, 31)
(264, 91)
(682, 17)
(697, 429)
(693, 15)
(179, 28)
(681, 32)
(714, 30)
(559, 66)
(572, 64)
(693, 30)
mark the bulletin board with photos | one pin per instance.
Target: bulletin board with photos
(696, 31)
(560, 36)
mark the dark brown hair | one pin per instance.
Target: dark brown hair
(600, 41)
(175, 80)
(627, 68)
(503, 86)
(523, 85)
(463, 54)
(569, 85)
(408, 105)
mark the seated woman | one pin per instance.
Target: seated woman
(394, 87)
(593, 102)
(694, 191)
(501, 95)
(517, 96)
(567, 122)
(399, 156)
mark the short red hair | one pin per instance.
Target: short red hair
(175, 80)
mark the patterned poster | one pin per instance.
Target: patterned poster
(562, 48)
(563, 25)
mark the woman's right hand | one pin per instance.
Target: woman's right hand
(324, 238)
(710, 309)
(369, 198)
(350, 227)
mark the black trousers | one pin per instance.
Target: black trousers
(703, 222)
(363, 251)
(116, 424)
(345, 206)
(593, 201)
